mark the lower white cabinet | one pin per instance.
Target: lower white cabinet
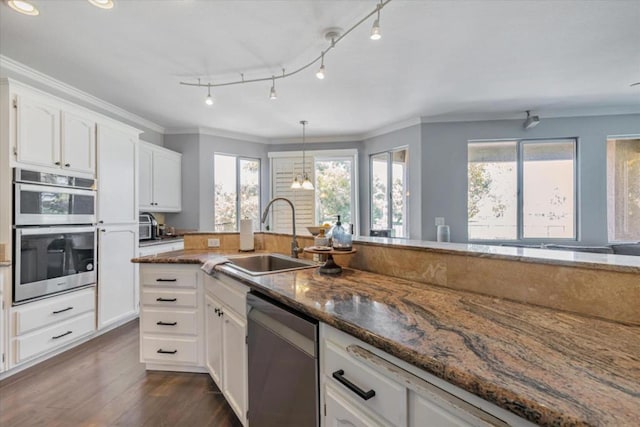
(363, 386)
(159, 248)
(171, 317)
(226, 308)
(117, 275)
(43, 326)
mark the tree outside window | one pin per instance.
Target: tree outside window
(237, 191)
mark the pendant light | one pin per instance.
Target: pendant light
(306, 183)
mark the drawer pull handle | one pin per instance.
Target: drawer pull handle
(365, 395)
(63, 310)
(161, 323)
(62, 335)
(166, 280)
(166, 299)
(161, 351)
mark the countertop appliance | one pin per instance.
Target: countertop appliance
(283, 365)
(148, 226)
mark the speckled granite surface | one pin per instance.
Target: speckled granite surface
(550, 367)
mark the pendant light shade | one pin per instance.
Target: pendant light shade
(306, 182)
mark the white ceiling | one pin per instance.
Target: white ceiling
(438, 60)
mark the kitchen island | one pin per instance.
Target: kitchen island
(547, 366)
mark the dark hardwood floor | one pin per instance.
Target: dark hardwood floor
(102, 383)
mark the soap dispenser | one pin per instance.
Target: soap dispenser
(341, 239)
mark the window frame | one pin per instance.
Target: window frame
(520, 142)
(389, 157)
(611, 210)
(238, 159)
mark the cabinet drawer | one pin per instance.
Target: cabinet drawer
(38, 314)
(228, 291)
(390, 399)
(169, 322)
(49, 338)
(169, 350)
(168, 277)
(169, 298)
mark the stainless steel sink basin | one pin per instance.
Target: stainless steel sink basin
(256, 265)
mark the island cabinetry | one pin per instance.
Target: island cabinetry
(43, 326)
(364, 386)
(53, 136)
(171, 317)
(226, 329)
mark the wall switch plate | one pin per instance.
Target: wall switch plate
(213, 243)
(439, 220)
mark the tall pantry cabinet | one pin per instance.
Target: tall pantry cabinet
(117, 213)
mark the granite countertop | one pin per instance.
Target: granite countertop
(550, 367)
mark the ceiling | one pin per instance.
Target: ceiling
(437, 60)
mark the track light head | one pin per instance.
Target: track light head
(209, 99)
(530, 121)
(320, 73)
(272, 93)
(375, 30)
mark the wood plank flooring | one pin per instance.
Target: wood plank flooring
(102, 383)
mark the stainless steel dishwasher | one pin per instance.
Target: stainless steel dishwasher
(283, 366)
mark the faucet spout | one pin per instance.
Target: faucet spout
(295, 250)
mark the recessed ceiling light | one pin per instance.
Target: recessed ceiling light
(23, 7)
(103, 4)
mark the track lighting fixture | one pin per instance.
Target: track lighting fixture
(306, 183)
(272, 94)
(530, 121)
(209, 99)
(24, 7)
(320, 73)
(333, 35)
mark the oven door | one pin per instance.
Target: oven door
(47, 205)
(53, 259)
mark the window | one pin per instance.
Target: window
(333, 173)
(237, 191)
(623, 189)
(520, 190)
(389, 189)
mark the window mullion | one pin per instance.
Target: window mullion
(520, 192)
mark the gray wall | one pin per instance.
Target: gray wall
(444, 167)
(197, 175)
(409, 137)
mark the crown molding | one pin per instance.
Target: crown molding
(217, 132)
(392, 127)
(32, 74)
(317, 139)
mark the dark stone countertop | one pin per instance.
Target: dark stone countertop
(550, 367)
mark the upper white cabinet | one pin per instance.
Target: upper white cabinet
(51, 137)
(117, 193)
(160, 179)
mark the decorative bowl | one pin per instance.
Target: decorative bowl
(316, 230)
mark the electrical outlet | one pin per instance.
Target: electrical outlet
(439, 220)
(213, 243)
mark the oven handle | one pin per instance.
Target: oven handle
(54, 230)
(51, 189)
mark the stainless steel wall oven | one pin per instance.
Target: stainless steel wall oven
(54, 234)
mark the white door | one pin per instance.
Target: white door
(117, 190)
(78, 143)
(145, 177)
(167, 181)
(234, 362)
(37, 132)
(117, 275)
(213, 331)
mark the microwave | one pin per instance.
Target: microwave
(148, 226)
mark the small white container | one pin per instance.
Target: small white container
(443, 234)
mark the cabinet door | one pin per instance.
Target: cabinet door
(4, 272)
(340, 412)
(167, 181)
(117, 180)
(78, 143)
(234, 362)
(37, 132)
(117, 275)
(145, 177)
(213, 332)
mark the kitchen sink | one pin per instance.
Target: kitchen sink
(257, 265)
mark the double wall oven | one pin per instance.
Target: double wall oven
(54, 234)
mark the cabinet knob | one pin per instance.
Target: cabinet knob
(57, 163)
(67, 165)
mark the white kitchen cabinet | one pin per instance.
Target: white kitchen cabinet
(158, 248)
(340, 412)
(117, 275)
(171, 318)
(50, 136)
(5, 277)
(117, 190)
(227, 348)
(160, 177)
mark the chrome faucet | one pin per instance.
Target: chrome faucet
(295, 250)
